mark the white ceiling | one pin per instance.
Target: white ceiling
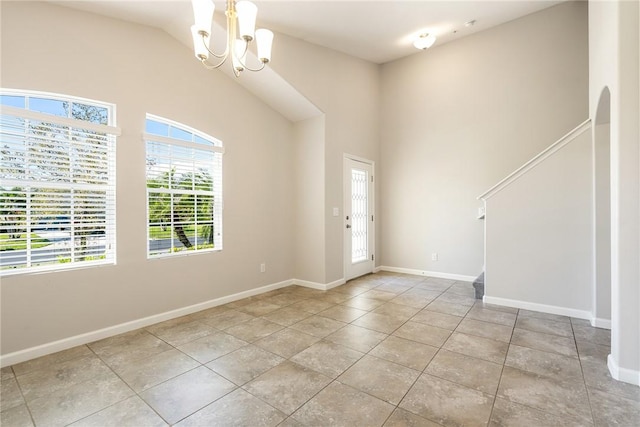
(377, 31)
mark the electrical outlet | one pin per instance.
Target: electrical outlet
(263, 267)
(434, 256)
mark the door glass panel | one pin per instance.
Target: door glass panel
(359, 215)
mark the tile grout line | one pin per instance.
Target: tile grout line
(504, 363)
(136, 394)
(453, 382)
(333, 379)
(336, 379)
(66, 387)
(584, 380)
(24, 399)
(383, 283)
(174, 347)
(287, 416)
(545, 376)
(395, 407)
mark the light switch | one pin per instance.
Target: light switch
(336, 211)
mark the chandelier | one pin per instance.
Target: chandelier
(241, 24)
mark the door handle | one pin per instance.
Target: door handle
(348, 225)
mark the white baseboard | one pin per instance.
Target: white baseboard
(600, 323)
(319, 286)
(308, 284)
(622, 374)
(415, 272)
(66, 343)
(544, 308)
(335, 283)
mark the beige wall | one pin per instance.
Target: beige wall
(346, 90)
(55, 49)
(602, 220)
(308, 167)
(539, 233)
(614, 56)
(460, 117)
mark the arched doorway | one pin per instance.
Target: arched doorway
(602, 208)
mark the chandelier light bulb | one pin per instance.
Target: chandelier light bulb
(200, 44)
(203, 14)
(264, 40)
(247, 13)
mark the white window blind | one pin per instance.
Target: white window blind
(184, 189)
(57, 182)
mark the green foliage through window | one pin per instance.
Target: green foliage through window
(184, 192)
(57, 189)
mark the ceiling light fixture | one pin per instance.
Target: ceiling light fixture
(241, 23)
(424, 41)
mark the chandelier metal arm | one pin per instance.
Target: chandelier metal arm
(222, 55)
(231, 26)
(231, 15)
(210, 66)
(252, 69)
(201, 30)
(243, 64)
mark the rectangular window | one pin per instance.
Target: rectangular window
(184, 189)
(57, 182)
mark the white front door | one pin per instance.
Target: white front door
(358, 218)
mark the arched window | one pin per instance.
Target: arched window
(184, 189)
(57, 182)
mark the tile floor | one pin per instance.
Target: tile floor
(385, 349)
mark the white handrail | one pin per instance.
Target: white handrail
(547, 152)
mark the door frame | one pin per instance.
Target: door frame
(372, 204)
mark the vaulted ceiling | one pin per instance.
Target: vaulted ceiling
(377, 31)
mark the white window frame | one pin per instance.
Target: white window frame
(67, 258)
(214, 146)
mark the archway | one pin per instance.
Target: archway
(602, 208)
